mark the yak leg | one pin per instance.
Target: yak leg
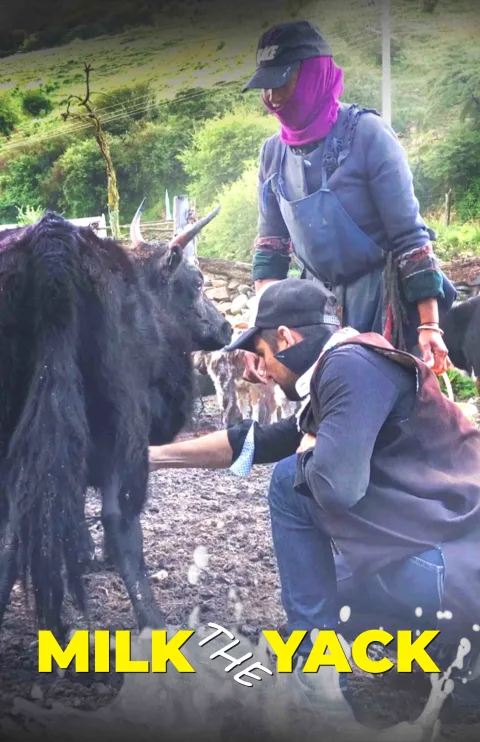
(86, 545)
(124, 541)
(8, 568)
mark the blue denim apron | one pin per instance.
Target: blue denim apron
(331, 247)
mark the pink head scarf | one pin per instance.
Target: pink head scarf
(312, 109)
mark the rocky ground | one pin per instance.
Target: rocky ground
(228, 516)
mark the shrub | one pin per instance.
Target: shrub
(36, 102)
(230, 236)
(9, 113)
(221, 149)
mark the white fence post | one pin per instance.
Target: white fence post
(184, 214)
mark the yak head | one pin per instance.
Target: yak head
(181, 282)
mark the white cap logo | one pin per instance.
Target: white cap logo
(267, 53)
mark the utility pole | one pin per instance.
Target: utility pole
(386, 64)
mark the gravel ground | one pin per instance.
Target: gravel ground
(229, 517)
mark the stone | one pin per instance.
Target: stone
(36, 693)
(160, 576)
(102, 689)
(224, 306)
(244, 289)
(234, 284)
(239, 303)
(219, 282)
(218, 294)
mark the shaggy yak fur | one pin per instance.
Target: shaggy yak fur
(461, 326)
(95, 363)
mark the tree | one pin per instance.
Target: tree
(76, 182)
(147, 164)
(230, 236)
(91, 118)
(458, 86)
(220, 150)
(9, 113)
(123, 107)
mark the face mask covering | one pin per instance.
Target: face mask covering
(312, 109)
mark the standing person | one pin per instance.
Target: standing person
(335, 188)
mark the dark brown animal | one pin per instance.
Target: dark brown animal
(95, 363)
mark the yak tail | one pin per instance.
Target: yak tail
(46, 463)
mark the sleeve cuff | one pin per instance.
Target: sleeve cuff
(427, 284)
(270, 265)
(242, 466)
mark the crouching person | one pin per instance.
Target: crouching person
(375, 501)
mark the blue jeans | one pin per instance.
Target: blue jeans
(315, 583)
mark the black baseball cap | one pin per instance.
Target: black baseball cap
(281, 50)
(293, 302)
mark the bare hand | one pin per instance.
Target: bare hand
(308, 441)
(254, 369)
(434, 351)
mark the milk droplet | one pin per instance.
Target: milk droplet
(345, 613)
(418, 612)
(193, 574)
(201, 557)
(476, 627)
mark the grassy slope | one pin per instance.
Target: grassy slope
(170, 56)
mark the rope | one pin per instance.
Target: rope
(396, 312)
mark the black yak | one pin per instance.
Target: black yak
(95, 362)
(461, 327)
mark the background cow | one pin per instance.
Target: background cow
(95, 362)
(239, 399)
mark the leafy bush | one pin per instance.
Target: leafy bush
(9, 113)
(221, 149)
(201, 104)
(77, 181)
(230, 236)
(439, 164)
(36, 102)
(456, 239)
(147, 164)
(468, 207)
(126, 106)
(28, 215)
(463, 387)
(24, 176)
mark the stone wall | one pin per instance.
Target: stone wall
(233, 297)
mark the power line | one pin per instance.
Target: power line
(126, 112)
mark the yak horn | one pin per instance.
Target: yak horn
(135, 233)
(182, 239)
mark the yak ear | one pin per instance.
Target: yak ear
(175, 257)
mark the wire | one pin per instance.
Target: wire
(128, 112)
(53, 135)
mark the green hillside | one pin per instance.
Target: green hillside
(435, 80)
